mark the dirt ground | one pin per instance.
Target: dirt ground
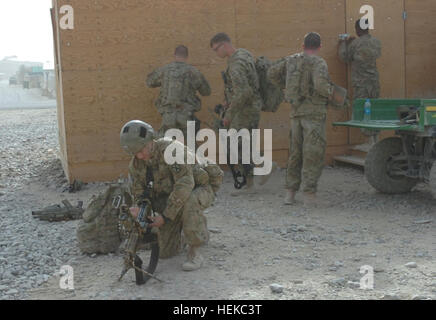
(258, 241)
(255, 240)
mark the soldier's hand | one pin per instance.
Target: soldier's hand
(134, 211)
(350, 39)
(158, 221)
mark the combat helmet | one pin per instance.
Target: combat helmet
(135, 135)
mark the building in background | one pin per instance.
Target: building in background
(101, 65)
(9, 66)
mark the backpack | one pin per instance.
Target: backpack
(272, 96)
(297, 79)
(99, 232)
(206, 172)
(216, 176)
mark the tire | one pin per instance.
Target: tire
(433, 180)
(377, 163)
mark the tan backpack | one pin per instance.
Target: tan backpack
(98, 232)
(216, 176)
(272, 95)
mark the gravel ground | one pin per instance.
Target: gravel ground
(259, 248)
(31, 178)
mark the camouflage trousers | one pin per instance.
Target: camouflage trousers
(307, 152)
(366, 92)
(247, 121)
(190, 220)
(175, 120)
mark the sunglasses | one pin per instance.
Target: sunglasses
(217, 47)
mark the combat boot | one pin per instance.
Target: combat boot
(310, 200)
(250, 183)
(264, 179)
(249, 188)
(290, 197)
(194, 261)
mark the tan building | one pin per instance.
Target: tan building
(102, 63)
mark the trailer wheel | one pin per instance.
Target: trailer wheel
(382, 170)
(433, 180)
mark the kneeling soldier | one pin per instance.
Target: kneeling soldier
(181, 192)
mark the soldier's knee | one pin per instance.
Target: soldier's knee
(169, 244)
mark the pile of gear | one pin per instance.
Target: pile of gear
(58, 213)
(107, 223)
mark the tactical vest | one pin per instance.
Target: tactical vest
(173, 92)
(299, 80)
(293, 92)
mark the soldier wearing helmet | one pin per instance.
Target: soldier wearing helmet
(181, 192)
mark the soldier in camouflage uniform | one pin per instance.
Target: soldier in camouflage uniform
(243, 101)
(305, 79)
(362, 53)
(181, 192)
(179, 82)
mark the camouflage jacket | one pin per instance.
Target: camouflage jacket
(362, 53)
(173, 182)
(242, 87)
(179, 84)
(306, 78)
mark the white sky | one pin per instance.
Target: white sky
(25, 30)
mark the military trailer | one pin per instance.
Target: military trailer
(396, 164)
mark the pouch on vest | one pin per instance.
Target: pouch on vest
(174, 85)
(338, 97)
(294, 73)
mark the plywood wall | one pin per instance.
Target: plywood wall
(420, 41)
(103, 63)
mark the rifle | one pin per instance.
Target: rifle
(197, 124)
(140, 232)
(58, 213)
(239, 177)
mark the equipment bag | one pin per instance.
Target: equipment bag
(272, 96)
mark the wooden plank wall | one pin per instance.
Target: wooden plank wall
(420, 49)
(105, 59)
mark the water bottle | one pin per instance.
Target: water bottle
(367, 111)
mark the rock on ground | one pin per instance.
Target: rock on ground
(255, 239)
